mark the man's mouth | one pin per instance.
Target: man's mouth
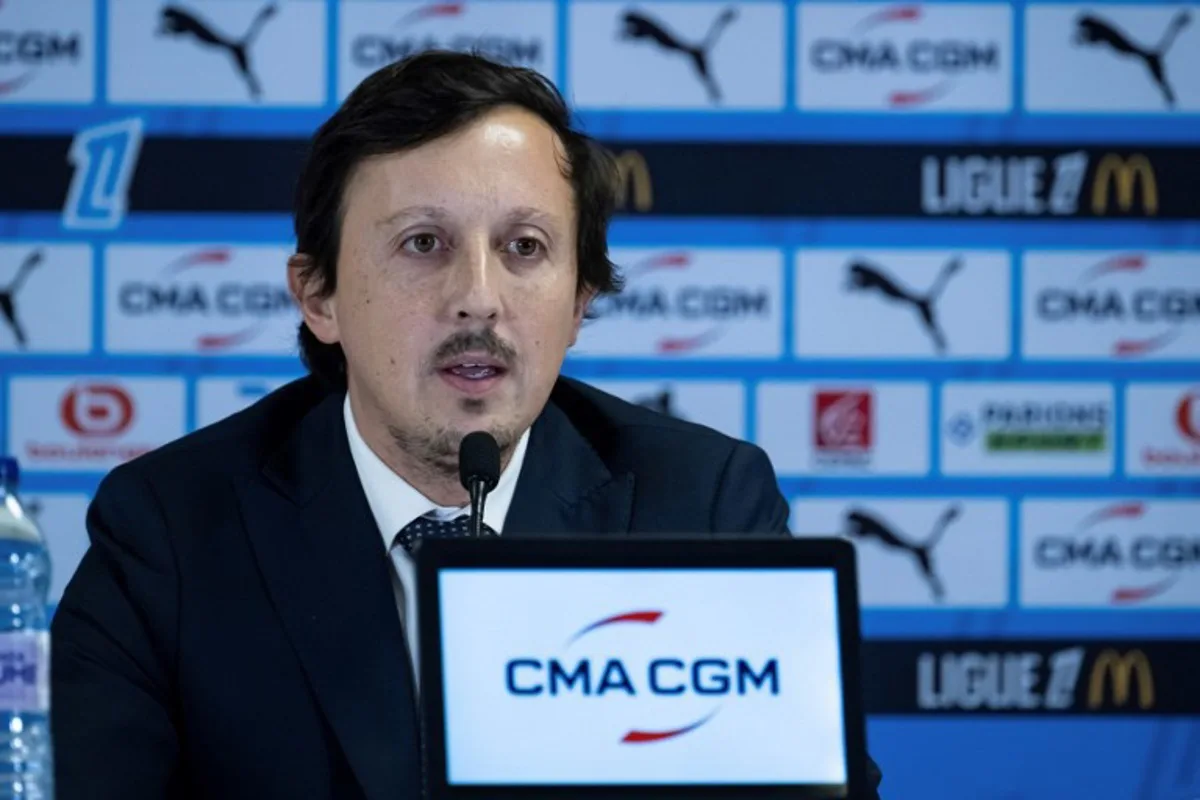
(472, 374)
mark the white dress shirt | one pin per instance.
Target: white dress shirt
(395, 503)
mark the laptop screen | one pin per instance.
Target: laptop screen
(641, 676)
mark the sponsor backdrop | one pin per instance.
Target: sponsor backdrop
(941, 260)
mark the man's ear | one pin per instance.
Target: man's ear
(318, 309)
(583, 301)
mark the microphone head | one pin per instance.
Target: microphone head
(479, 460)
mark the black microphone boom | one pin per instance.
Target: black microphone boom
(479, 471)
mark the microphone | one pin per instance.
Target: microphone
(479, 471)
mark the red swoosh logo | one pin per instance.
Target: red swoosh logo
(645, 737)
(223, 341)
(13, 84)
(643, 617)
(665, 261)
(1119, 511)
(907, 99)
(683, 344)
(432, 10)
(1138, 347)
(1131, 262)
(200, 258)
(910, 13)
(1137, 594)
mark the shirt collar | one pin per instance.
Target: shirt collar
(395, 502)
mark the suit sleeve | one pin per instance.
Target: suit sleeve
(113, 641)
(749, 501)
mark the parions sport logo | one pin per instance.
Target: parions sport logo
(714, 678)
(690, 302)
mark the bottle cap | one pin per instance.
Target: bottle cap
(10, 471)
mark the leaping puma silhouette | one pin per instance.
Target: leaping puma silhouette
(638, 25)
(661, 402)
(868, 277)
(862, 525)
(1092, 30)
(7, 295)
(178, 21)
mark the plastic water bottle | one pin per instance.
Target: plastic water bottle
(26, 752)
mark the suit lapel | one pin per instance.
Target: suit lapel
(564, 486)
(327, 572)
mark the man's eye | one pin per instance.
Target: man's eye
(421, 243)
(525, 247)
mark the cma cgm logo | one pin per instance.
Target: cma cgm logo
(708, 676)
(24, 52)
(242, 306)
(1098, 545)
(1122, 291)
(715, 306)
(417, 31)
(887, 41)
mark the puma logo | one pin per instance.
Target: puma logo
(660, 402)
(861, 525)
(177, 21)
(8, 295)
(1091, 30)
(866, 277)
(638, 25)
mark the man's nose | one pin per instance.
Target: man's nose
(476, 285)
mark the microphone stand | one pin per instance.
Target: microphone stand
(478, 494)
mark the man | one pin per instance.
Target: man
(242, 625)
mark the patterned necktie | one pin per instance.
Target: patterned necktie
(426, 528)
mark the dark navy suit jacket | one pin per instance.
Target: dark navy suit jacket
(232, 630)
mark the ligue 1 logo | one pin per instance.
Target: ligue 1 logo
(665, 675)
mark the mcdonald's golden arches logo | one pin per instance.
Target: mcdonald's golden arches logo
(1123, 669)
(1124, 175)
(633, 177)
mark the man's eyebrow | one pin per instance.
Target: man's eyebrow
(413, 212)
(532, 214)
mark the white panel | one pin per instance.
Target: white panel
(1077, 58)
(70, 424)
(208, 299)
(373, 34)
(265, 54)
(1027, 429)
(677, 55)
(690, 303)
(1111, 553)
(930, 552)
(48, 51)
(844, 428)
(932, 57)
(902, 304)
(1162, 429)
(1111, 305)
(48, 294)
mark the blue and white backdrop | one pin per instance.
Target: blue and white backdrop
(941, 260)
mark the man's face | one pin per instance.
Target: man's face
(456, 296)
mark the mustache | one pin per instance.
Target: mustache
(486, 341)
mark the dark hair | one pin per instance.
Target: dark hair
(415, 101)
